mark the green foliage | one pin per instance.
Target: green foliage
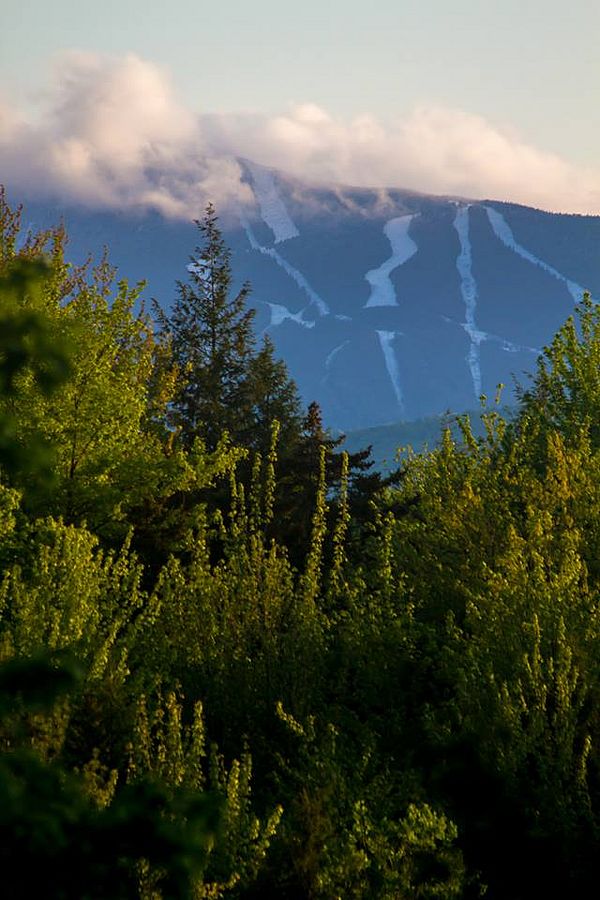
(100, 433)
(301, 487)
(70, 595)
(401, 676)
(177, 756)
(57, 839)
(565, 390)
(27, 344)
(350, 829)
(496, 554)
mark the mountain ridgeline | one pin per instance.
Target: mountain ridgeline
(385, 305)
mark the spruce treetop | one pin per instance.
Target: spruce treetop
(210, 330)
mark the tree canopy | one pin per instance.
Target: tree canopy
(267, 689)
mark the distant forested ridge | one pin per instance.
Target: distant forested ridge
(237, 662)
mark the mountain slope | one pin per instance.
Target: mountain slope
(386, 305)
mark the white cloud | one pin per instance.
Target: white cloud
(113, 134)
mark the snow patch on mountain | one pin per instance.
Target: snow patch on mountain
(509, 346)
(272, 208)
(386, 339)
(331, 356)
(280, 313)
(403, 247)
(298, 277)
(503, 231)
(468, 289)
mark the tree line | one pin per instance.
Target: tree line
(234, 662)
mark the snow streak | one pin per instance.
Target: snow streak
(331, 356)
(297, 276)
(503, 231)
(403, 247)
(272, 208)
(391, 363)
(280, 313)
(468, 289)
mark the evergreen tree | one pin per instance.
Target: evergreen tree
(269, 395)
(211, 340)
(315, 436)
(299, 475)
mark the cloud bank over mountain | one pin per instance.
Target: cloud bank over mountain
(111, 133)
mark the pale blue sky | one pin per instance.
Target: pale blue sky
(528, 64)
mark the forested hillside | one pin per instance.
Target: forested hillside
(386, 305)
(234, 662)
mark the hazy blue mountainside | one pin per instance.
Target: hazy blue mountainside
(419, 436)
(386, 306)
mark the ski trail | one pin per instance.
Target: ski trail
(505, 344)
(272, 208)
(468, 290)
(403, 247)
(503, 231)
(509, 346)
(280, 313)
(297, 276)
(391, 364)
(331, 356)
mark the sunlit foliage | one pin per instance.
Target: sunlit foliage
(196, 703)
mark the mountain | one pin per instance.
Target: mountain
(386, 305)
(393, 442)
